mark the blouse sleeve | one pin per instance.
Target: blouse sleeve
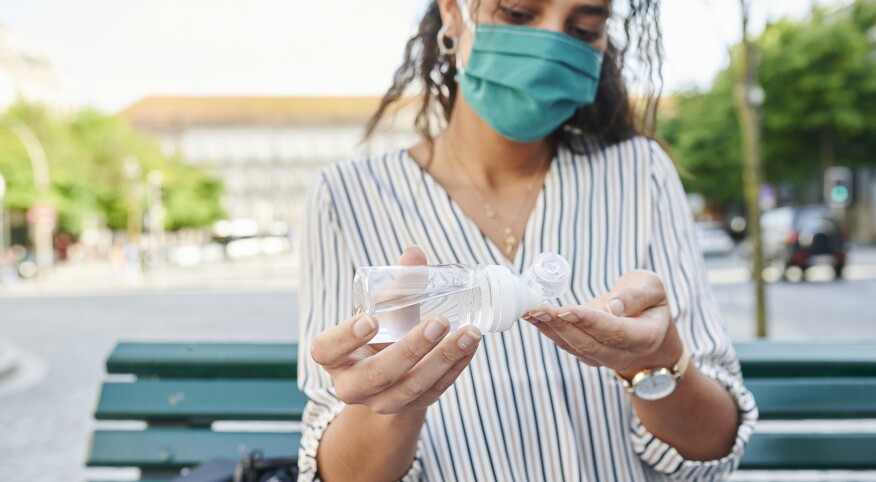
(674, 255)
(325, 300)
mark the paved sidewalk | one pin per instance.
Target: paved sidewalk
(263, 273)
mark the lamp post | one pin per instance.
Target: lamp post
(42, 216)
(155, 216)
(132, 172)
(2, 222)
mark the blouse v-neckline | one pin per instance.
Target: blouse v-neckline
(533, 221)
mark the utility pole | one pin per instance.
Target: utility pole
(749, 98)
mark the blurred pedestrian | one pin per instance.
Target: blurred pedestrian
(630, 376)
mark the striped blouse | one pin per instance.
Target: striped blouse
(524, 410)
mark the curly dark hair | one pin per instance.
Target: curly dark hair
(611, 118)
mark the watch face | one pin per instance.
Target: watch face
(655, 386)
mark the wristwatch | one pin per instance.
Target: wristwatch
(656, 383)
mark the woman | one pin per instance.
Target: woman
(630, 376)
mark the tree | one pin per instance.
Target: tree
(86, 154)
(819, 77)
(704, 138)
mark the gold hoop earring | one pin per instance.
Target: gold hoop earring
(443, 38)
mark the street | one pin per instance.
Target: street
(46, 406)
(63, 341)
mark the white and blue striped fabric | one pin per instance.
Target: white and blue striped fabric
(524, 410)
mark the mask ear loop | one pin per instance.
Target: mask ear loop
(466, 15)
(462, 5)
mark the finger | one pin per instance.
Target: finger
(637, 334)
(569, 338)
(378, 372)
(424, 378)
(407, 282)
(443, 383)
(548, 330)
(413, 255)
(334, 346)
(545, 320)
(543, 317)
(635, 293)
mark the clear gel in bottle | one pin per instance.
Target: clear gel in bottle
(488, 297)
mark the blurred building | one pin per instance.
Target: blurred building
(26, 74)
(265, 149)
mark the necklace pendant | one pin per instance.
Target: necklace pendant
(510, 241)
(489, 211)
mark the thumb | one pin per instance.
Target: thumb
(636, 292)
(412, 256)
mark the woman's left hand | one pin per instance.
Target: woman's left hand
(628, 329)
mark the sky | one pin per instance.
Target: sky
(110, 53)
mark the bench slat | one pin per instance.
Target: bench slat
(770, 451)
(205, 360)
(174, 449)
(770, 359)
(815, 398)
(201, 401)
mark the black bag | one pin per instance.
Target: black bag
(215, 470)
(254, 467)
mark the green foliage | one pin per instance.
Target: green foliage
(819, 76)
(704, 140)
(86, 154)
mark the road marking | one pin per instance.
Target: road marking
(29, 370)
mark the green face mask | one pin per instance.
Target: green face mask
(527, 82)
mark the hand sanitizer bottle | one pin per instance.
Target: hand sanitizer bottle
(488, 297)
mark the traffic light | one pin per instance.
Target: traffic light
(838, 187)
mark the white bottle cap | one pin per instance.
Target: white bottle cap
(548, 275)
(512, 296)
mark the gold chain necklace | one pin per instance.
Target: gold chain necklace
(511, 240)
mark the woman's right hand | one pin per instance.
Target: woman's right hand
(404, 376)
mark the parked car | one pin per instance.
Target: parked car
(804, 236)
(713, 239)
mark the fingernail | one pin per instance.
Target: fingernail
(568, 316)
(434, 329)
(469, 338)
(616, 307)
(363, 326)
(541, 316)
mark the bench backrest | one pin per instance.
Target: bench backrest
(794, 381)
(182, 389)
(179, 391)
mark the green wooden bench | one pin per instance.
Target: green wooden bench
(817, 383)
(183, 391)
